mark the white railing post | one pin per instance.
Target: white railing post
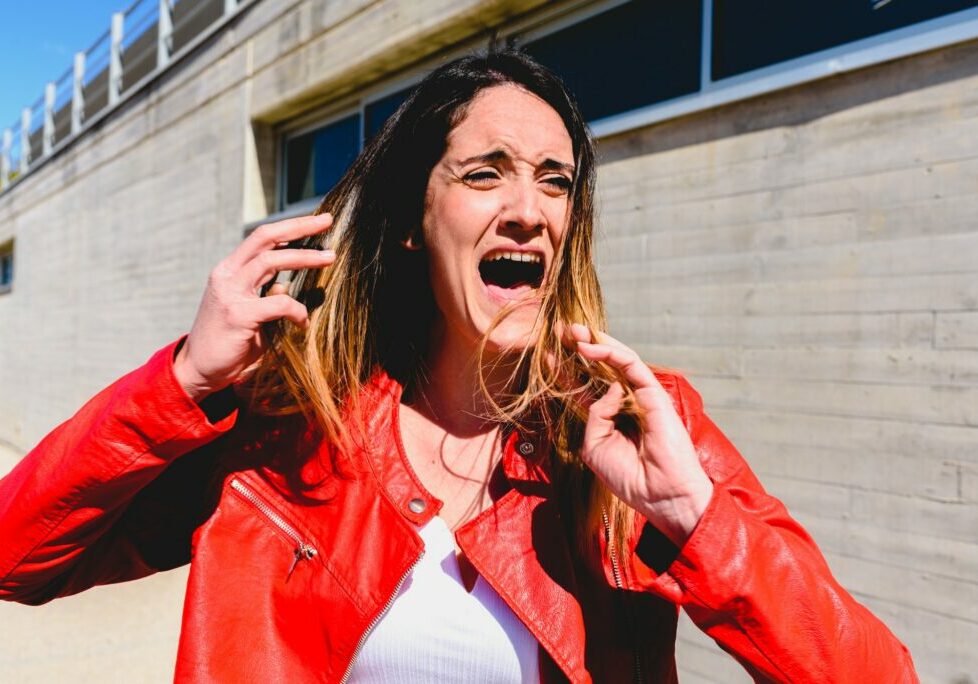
(25, 139)
(115, 59)
(8, 139)
(78, 94)
(47, 137)
(164, 34)
(230, 6)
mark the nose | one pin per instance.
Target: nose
(523, 210)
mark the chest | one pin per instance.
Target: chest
(456, 470)
(437, 631)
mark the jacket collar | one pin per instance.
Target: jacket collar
(523, 460)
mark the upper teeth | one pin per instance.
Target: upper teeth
(515, 256)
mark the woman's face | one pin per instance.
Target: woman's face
(496, 209)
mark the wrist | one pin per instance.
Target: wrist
(189, 380)
(684, 512)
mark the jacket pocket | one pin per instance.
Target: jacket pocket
(302, 548)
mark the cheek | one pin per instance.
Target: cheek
(558, 221)
(446, 259)
(454, 223)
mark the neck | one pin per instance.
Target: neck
(450, 392)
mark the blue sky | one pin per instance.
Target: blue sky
(40, 38)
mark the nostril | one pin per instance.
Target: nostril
(525, 223)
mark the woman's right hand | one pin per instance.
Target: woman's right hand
(225, 340)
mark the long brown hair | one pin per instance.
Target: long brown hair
(373, 308)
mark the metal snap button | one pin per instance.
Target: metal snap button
(525, 448)
(417, 505)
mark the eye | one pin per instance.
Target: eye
(484, 177)
(561, 183)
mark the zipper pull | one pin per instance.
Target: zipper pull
(302, 552)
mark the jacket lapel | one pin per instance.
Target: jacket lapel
(520, 548)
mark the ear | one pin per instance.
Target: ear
(412, 241)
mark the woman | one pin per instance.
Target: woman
(438, 382)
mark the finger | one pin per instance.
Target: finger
(572, 333)
(560, 366)
(267, 264)
(624, 359)
(600, 422)
(605, 338)
(561, 374)
(271, 235)
(602, 337)
(581, 333)
(277, 289)
(565, 371)
(607, 406)
(275, 307)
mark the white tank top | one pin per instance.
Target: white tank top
(436, 631)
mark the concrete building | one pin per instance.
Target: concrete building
(789, 213)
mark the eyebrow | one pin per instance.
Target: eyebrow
(502, 155)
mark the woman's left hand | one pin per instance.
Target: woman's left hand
(656, 472)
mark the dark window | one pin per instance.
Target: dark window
(6, 267)
(748, 34)
(633, 55)
(379, 111)
(316, 160)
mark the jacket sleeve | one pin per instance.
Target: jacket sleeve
(753, 579)
(97, 500)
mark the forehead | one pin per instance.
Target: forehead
(509, 117)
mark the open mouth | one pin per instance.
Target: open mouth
(512, 270)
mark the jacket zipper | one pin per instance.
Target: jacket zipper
(615, 571)
(373, 623)
(611, 549)
(303, 550)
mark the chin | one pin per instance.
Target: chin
(514, 334)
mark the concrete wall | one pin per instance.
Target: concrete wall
(808, 257)
(811, 259)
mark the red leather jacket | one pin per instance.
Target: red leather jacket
(292, 567)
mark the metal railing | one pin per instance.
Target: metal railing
(141, 43)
